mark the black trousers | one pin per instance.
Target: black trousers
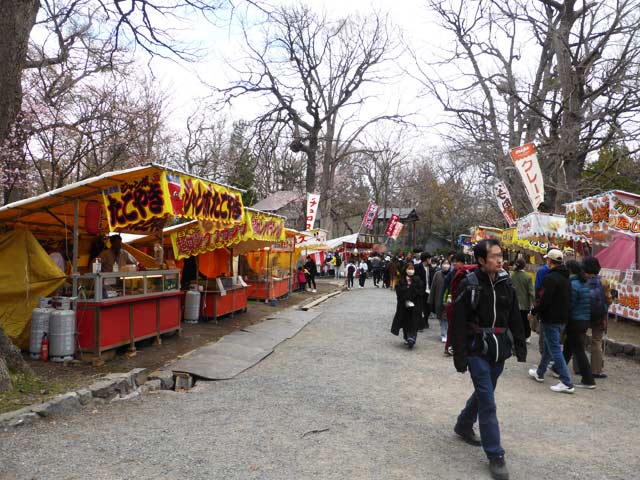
(311, 280)
(377, 276)
(362, 278)
(350, 281)
(574, 345)
(524, 314)
(426, 309)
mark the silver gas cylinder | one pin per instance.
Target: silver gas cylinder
(62, 332)
(39, 325)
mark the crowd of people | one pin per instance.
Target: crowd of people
(487, 312)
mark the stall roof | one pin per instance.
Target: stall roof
(51, 213)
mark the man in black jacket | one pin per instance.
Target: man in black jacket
(553, 306)
(486, 328)
(423, 270)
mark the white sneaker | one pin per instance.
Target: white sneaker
(562, 388)
(444, 339)
(528, 340)
(533, 373)
(314, 290)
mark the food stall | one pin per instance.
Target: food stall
(612, 221)
(544, 230)
(126, 306)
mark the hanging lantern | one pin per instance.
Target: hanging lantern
(92, 217)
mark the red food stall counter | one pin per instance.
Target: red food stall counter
(267, 290)
(214, 304)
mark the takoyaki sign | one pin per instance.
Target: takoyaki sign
(134, 204)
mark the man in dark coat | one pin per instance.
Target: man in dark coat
(311, 267)
(485, 311)
(553, 305)
(409, 291)
(423, 270)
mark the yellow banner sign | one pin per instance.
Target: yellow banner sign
(206, 236)
(195, 239)
(195, 198)
(266, 227)
(142, 204)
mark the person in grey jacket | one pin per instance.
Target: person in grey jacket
(524, 291)
(436, 298)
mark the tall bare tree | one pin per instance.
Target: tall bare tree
(310, 71)
(563, 74)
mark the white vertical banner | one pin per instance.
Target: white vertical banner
(501, 192)
(526, 162)
(312, 209)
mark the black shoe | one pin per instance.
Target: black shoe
(498, 468)
(468, 436)
(599, 375)
(410, 343)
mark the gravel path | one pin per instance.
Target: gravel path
(379, 412)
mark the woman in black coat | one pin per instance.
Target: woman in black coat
(409, 291)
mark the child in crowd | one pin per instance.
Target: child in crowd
(302, 280)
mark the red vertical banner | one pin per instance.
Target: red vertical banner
(392, 225)
(370, 216)
(397, 228)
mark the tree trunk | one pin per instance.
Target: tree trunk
(10, 360)
(16, 21)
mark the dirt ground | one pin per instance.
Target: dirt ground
(55, 378)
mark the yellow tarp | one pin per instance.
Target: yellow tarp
(27, 273)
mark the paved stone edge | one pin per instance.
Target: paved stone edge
(110, 388)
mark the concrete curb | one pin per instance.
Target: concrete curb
(110, 388)
(318, 301)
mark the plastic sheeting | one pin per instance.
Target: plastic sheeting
(27, 273)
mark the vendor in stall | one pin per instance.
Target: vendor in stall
(115, 254)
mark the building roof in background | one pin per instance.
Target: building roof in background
(403, 213)
(277, 200)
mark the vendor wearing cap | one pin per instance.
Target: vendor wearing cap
(115, 254)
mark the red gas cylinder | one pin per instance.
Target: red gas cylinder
(44, 348)
(92, 217)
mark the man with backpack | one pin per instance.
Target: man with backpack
(486, 329)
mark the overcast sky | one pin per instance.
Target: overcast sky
(222, 44)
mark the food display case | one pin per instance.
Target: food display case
(222, 296)
(121, 308)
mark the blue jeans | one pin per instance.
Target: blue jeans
(443, 327)
(552, 351)
(482, 404)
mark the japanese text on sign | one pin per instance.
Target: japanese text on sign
(312, 209)
(526, 162)
(370, 216)
(136, 201)
(392, 225)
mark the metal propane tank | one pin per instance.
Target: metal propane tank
(192, 305)
(39, 325)
(62, 332)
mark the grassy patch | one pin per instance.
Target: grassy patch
(27, 389)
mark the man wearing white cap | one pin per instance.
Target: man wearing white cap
(553, 306)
